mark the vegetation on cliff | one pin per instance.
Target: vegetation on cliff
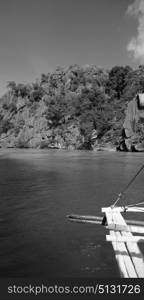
(71, 108)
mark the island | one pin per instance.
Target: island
(74, 107)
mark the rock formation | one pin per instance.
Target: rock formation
(133, 127)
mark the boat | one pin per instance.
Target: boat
(124, 234)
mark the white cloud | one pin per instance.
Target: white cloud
(136, 44)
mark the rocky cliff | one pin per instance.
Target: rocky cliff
(71, 108)
(133, 126)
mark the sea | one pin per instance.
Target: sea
(40, 188)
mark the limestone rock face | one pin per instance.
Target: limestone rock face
(30, 128)
(132, 138)
(75, 107)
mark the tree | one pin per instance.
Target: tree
(36, 92)
(134, 83)
(117, 81)
(11, 85)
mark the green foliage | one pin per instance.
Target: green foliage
(117, 80)
(5, 125)
(134, 83)
(19, 90)
(11, 85)
(74, 99)
(36, 92)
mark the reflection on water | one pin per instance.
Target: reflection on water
(38, 189)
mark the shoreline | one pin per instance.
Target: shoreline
(100, 149)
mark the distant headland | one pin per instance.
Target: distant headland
(76, 108)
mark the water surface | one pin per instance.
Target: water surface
(38, 189)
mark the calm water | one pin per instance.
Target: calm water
(38, 189)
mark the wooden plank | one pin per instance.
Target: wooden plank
(134, 222)
(133, 248)
(126, 258)
(109, 218)
(136, 229)
(120, 257)
(121, 253)
(122, 239)
(134, 262)
(124, 252)
(122, 209)
(129, 228)
(118, 227)
(136, 256)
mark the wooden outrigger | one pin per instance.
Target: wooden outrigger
(121, 234)
(125, 244)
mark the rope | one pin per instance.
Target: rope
(127, 186)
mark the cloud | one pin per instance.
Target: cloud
(136, 44)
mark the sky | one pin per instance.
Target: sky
(36, 36)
